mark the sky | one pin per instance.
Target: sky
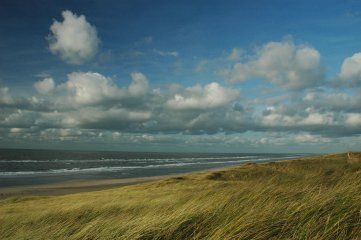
(195, 76)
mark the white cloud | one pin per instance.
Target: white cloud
(90, 88)
(16, 130)
(19, 119)
(283, 64)
(45, 86)
(316, 118)
(211, 95)
(351, 70)
(74, 39)
(309, 138)
(353, 119)
(167, 53)
(139, 85)
(116, 135)
(339, 101)
(279, 117)
(96, 117)
(90, 100)
(112, 115)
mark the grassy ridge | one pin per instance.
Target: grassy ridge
(314, 198)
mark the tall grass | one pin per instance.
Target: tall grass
(313, 198)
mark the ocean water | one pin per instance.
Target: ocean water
(28, 167)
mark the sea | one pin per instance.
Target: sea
(32, 167)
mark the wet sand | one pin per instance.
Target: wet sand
(70, 187)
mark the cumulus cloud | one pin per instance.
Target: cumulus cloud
(93, 105)
(211, 95)
(85, 100)
(89, 100)
(139, 85)
(90, 88)
(334, 101)
(298, 117)
(351, 70)
(95, 118)
(45, 86)
(281, 117)
(281, 63)
(73, 39)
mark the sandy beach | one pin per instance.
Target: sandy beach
(77, 186)
(70, 187)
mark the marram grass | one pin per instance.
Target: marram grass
(312, 198)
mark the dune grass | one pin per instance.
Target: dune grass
(312, 198)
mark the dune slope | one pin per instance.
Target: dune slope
(311, 198)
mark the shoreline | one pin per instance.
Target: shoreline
(79, 186)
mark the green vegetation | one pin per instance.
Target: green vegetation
(311, 198)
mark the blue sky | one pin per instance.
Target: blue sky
(186, 54)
